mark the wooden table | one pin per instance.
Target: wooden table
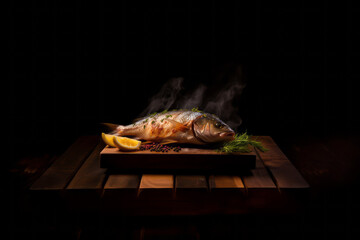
(76, 177)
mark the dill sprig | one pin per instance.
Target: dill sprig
(196, 109)
(242, 143)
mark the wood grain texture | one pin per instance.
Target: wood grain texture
(225, 182)
(156, 187)
(58, 175)
(120, 191)
(120, 181)
(285, 174)
(184, 151)
(187, 160)
(156, 181)
(197, 182)
(189, 187)
(90, 175)
(258, 178)
(163, 194)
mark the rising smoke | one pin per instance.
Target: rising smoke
(192, 99)
(166, 97)
(220, 102)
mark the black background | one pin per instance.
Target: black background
(73, 65)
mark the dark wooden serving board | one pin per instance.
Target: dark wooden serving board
(75, 177)
(188, 159)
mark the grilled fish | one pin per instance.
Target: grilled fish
(177, 126)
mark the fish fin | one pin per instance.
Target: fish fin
(112, 128)
(138, 119)
(178, 126)
(109, 127)
(165, 141)
(146, 142)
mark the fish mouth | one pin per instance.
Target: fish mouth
(227, 134)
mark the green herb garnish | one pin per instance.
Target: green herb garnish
(242, 143)
(195, 109)
(153, 114)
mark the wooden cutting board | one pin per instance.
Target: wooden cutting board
(187, 160)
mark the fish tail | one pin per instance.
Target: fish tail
(113, 129)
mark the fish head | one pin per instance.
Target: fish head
(210, 129)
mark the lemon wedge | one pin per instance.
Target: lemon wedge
(108, 139)
(126, 144)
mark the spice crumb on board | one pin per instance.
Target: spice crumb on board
(157, 147)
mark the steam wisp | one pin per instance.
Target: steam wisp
(222, 104)
(166, 97)
(193, 99)
(173, 95)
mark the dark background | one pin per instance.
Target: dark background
(74, 65)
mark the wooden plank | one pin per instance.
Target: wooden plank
(58, 175)
(250, 192)
(157, 181)
(191, 187)
(262, 193)
(187, 160)
(285, 174)
(120, 193)
(225, 182)
(90, 175)
(225, 187)
(197, 182)
(156, 186)
(258, 178)
(85, 189)
(120, 181)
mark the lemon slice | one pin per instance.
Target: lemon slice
(126, 144)
(108, 139)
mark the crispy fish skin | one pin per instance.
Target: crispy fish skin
(179, 126)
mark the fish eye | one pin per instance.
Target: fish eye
(219, 125)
